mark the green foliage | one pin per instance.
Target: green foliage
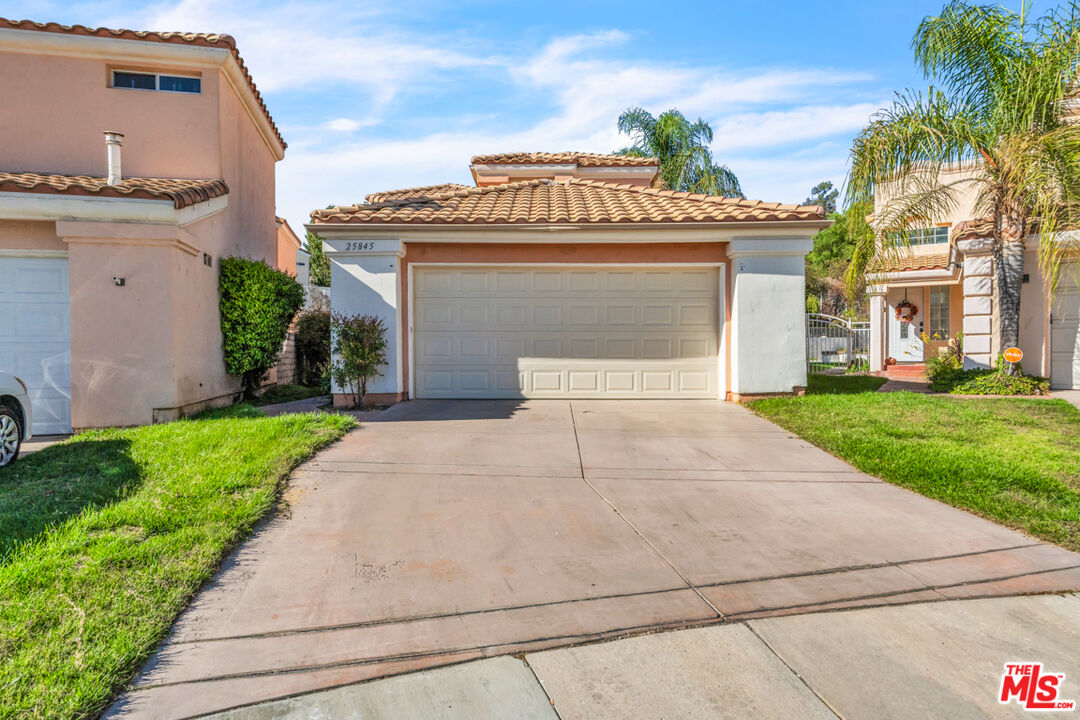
(957, 381)
(257, 305)
(313, 345)
(106, 537)
(948, 360)
(359, 351)
(813, 305)
(825, 195)
(319, 263)
(682, 147)
(997, 106)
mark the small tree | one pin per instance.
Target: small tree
(313, 345)
(359, 351)
(319, 262)
(257, 306)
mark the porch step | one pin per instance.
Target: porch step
(904, 371)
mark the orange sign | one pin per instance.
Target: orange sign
(1013, 354)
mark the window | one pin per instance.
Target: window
(939, 313)
(153, 81)
(928, 236)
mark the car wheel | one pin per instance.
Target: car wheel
(10, 436)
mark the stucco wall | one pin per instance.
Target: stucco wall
(156, 342)
(29, 235)
(71, 104)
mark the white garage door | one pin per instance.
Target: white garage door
(512, 332)
(1065, 332)
(35, 338)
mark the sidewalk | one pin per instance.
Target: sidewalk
(938, 659)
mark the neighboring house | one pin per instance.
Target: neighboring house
(574, 279)
(288, 245)
(109, 269)
(947, 272)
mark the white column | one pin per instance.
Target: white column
(768, 314)
(877, 329)
(978, 303)
(365, 279)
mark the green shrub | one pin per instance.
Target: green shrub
(359, 351)
(313, 345)
(257, 305)
(319, 263)
(987, 382)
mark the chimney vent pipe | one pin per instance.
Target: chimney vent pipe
(112, 149)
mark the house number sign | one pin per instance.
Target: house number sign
(359, 245)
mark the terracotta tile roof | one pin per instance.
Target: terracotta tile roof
(176, 38)
(416, 192)
(911, 261)
(182, 193)
(544, 202)
(565, 158)
(976, 228)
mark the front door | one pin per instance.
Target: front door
(906, 343)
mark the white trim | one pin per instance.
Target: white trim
(944, 275)
(122, 50)
(721, 351)
(771, 246)
(49, 206)
(32, 253)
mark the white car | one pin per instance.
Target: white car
(14, 417)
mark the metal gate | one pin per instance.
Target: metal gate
(836, 345)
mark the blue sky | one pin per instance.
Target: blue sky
(379, 95)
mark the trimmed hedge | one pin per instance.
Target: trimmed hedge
(257, 305)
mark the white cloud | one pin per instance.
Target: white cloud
(338, 46)
(347, 125)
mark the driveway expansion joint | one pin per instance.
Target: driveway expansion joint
(577, 441)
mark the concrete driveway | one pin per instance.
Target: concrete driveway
(447, 531)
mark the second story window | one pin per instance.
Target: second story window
(928, 236)
(156, 81)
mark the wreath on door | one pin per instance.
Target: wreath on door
(906, 312)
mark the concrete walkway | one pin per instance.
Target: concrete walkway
(930, 660)
(442, 532)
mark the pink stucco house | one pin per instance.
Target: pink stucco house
(945, 274)
(567, 275)
(109, 252)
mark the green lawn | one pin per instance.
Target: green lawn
(1014, 461)
(105, 538)
(287, 393)
(831, 384)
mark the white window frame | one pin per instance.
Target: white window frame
(935, 235)
(944, 322)
(157, 81)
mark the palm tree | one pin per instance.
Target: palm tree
(686, 163)
(999, 110)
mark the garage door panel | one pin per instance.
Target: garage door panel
(35, 342)
(1065, 331)
(555, 332)
(502, 348)
(530, 314)
(552, 282)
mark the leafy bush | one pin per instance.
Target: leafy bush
(313, 345)
(257, 305)
(987, 382)
(359, 351)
